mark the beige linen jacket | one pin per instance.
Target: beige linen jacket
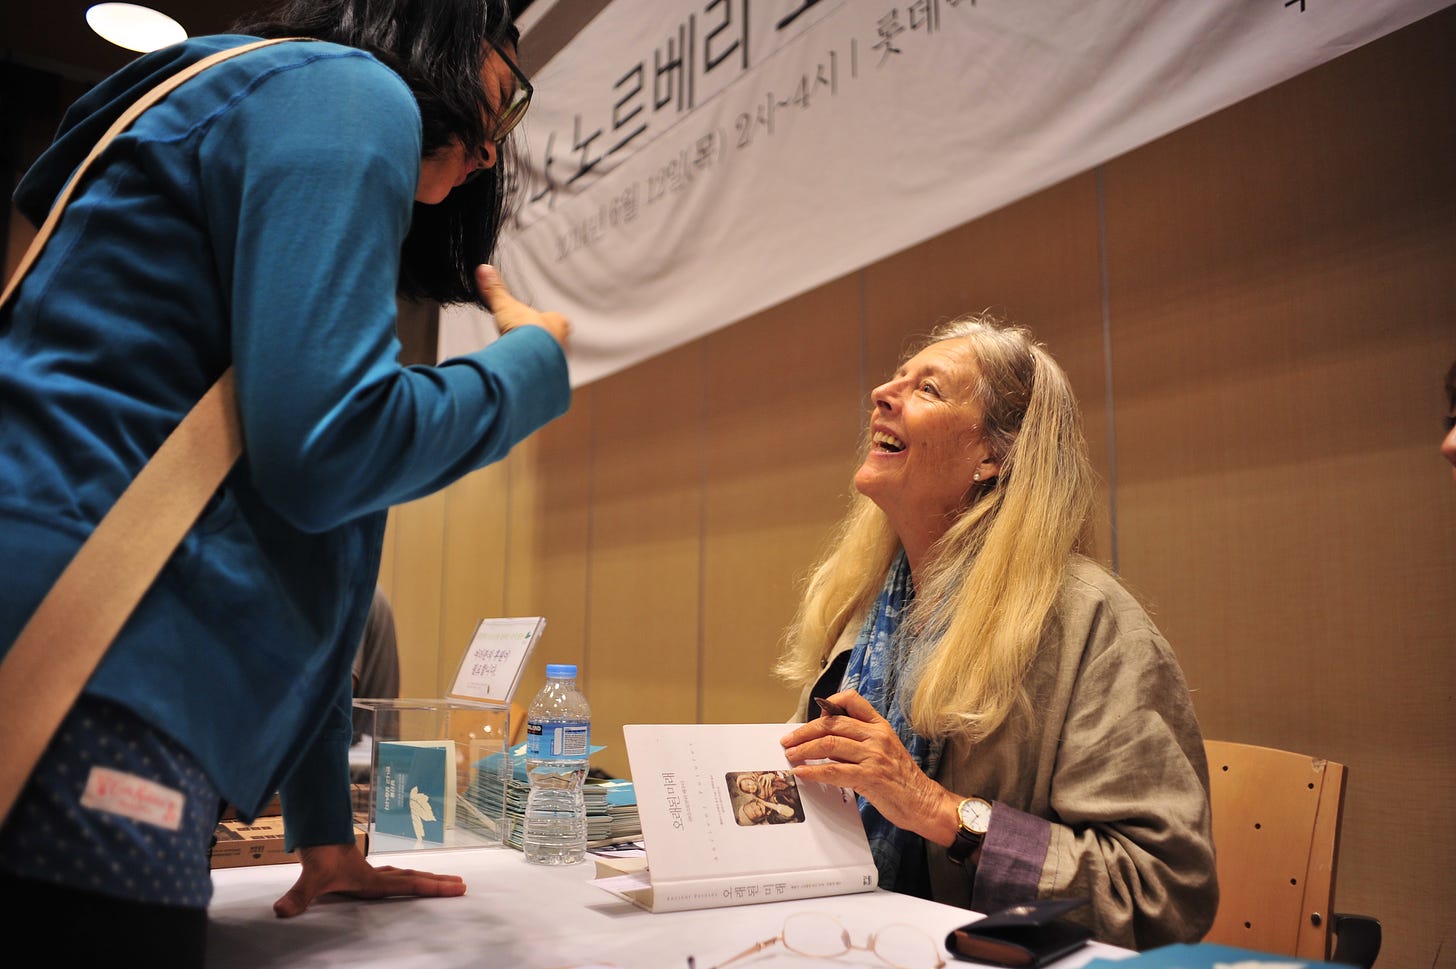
(1099, 788)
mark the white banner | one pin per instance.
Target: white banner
(696, 161)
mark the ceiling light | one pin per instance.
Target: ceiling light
(133, 27)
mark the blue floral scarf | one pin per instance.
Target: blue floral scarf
(875, 667)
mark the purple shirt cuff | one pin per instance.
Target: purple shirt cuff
(1012, 857)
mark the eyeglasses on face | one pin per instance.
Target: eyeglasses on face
(512, 112)
(818, 935)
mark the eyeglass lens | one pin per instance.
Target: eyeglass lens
(512, 113)
(822, 936)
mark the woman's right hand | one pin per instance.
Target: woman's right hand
(860, 749)
(510, 312)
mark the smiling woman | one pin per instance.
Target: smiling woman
(930, 402)
(993, 682)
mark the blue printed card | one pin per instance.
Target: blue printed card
(1208, 955)
(414, 789)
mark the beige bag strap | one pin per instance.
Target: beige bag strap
(75, 623)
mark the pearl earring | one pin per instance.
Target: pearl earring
(976, 476)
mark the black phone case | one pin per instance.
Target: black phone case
(1028, 935)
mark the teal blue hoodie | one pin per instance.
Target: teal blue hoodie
(254, 217)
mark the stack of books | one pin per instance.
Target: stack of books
(499, 790)
(623, 825)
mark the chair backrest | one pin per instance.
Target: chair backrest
(1276, 830)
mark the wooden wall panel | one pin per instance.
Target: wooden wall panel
(473, 551)
(1036, 263)
(645, 549)
(415, 592)
(550, 514)
(783, 426)
(387, 553)
(1284, 307)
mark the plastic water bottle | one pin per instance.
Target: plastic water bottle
(558, 746)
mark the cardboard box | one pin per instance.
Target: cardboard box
(230, 813)
(240, 845)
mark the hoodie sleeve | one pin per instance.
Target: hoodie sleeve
(310, 180)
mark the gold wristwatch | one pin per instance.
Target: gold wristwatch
(974, 815)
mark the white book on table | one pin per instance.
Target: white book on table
(725, 822)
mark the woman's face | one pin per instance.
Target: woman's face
(926, 443)
(449, 167)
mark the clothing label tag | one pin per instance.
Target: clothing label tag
(133, 797)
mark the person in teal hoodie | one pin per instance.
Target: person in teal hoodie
(268, 214)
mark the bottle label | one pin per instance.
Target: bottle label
(554, 740)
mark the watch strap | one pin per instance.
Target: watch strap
(966, 841)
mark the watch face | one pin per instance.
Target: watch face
(975, 814)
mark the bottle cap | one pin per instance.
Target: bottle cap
(558, 671)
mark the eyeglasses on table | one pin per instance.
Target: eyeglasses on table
(818, 935)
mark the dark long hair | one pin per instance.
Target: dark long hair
(438, 47)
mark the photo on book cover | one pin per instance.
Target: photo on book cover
(764, 797)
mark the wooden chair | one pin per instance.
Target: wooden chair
(1276, 831)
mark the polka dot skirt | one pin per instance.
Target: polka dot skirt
(51, 837)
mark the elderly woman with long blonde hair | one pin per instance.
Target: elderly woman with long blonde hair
(1013, 722)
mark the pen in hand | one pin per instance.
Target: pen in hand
(830, 709)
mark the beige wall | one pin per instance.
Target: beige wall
(1257, 312)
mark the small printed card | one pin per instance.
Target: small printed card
(415, 789)
(491, 668)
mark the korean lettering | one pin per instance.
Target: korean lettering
(623, 208)
(674, 176)
(548, 182)
(487, 661)
(583, 145)
(923, 14)
(674, 802)
(711, 57)
(622, 118)
(673, 70)
(788, 18)
(708, 148)
(888, 29)
(586, 232)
